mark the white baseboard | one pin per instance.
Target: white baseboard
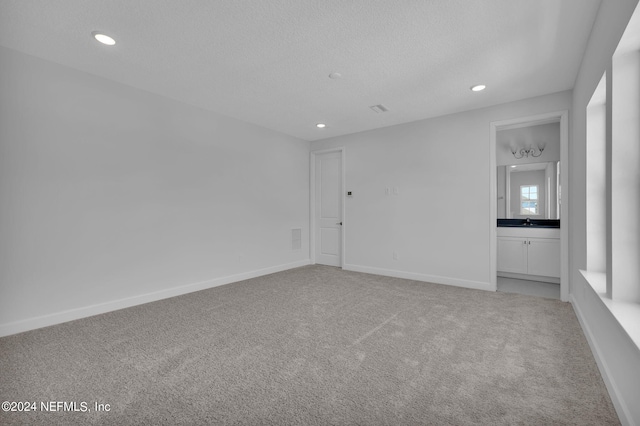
(618, 403)
(100, 308)
(477, 285)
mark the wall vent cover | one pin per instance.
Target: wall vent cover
(296, 239)
(379, 108)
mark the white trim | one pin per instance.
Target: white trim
(493, 208)
(563, 117)
(436, 279)
(520, 124)
(564, 206)
(344, 206)
(100, 308)
(614, 393)
(312, 202)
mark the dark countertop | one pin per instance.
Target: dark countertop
(533, 223)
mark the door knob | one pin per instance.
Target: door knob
(338, 223)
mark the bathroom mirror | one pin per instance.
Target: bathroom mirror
(529, 190)
(528, 160)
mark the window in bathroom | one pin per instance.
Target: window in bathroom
(529, 199)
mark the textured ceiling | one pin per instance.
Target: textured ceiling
(267, 61)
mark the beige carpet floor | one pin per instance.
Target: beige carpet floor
(314, 346)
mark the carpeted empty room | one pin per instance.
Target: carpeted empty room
(302, 212)
(314, 345)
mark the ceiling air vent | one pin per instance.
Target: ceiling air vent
(379, 108)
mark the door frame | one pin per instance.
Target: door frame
(563, 117)
(312, 203)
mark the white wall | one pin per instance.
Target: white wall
(439, 222)
(110, 193)
(523, 137)
(617, 355)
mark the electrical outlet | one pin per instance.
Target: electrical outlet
(387, 191)
(396, 191)
(395, 255)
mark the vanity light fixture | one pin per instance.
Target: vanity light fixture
(103, 38)
(478, 87)
(526, 152)
(321, 125)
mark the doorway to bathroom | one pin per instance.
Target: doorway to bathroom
(529, 251)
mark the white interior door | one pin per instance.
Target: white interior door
(328, 209)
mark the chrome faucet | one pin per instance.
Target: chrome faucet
(527, 222)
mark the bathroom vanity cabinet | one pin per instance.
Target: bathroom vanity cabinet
(529, 253)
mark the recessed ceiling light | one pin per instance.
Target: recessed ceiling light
(321, 125)
(103, 38)
(513, 167)
(335, 75)
(478, 87)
